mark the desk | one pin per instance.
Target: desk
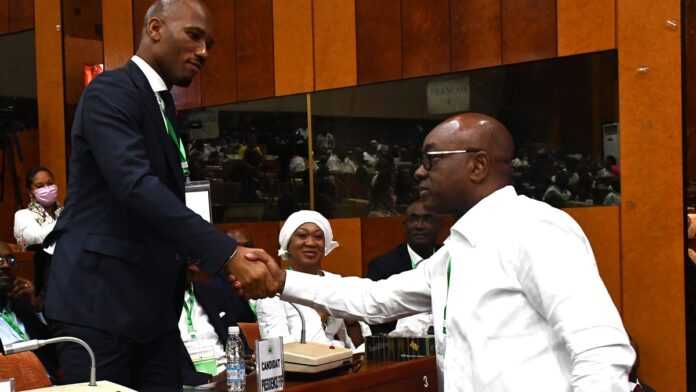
(371, 377)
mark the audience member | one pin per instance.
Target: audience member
(421, 227)
(20, 311)
(305, 239)
(32, 224)
(382, 197)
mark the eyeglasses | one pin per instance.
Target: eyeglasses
(427, 156)
(10, 260)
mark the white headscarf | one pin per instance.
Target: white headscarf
(296, 220)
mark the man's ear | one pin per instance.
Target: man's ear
(154, 28)
(479, 167)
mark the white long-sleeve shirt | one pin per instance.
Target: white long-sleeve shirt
(526, 308)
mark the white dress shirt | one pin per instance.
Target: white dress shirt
(202, 342)
(418, 324)
(279, 318)
(526, 307)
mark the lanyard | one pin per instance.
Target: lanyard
(175, 138)
(11, 320)
(444, 316)
(188, 307)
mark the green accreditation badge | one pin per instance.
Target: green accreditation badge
(208, 366)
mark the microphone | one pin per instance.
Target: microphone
(303, 340)
(31, 345)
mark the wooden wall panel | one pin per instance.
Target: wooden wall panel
(264, 234)
(4, 16)
(335, 50)
(219, 76)
(586, 26)
(529, 30)
(49, 89)
(601, 225)
(652, 213)
(294, 46)
(426, 37)
(21, 15)
(188, 97)
(346, 260)
(476, 34)
(78, 52)
(117, 17)
(380, 235)
(254, 34)
(83, 19)
(29, 144)
(139, 9)
(378, 27)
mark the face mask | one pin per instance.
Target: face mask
(46, 196)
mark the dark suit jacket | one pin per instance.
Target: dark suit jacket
(215, 297)
(125, 226)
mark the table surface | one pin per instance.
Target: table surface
(367, 373)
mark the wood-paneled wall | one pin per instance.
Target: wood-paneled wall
(652, 211)
(16, 15)
(299, 46)
(50, 89)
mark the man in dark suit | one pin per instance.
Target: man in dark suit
(117, 276)
(421, 242)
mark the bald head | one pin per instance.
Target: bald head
(163, 8)
(470, 159)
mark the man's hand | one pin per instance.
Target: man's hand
(254, 273)
(24, 290)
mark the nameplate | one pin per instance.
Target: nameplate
(269, 365)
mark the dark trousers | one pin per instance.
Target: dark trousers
(144, 366)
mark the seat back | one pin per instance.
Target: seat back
(26, 369)
(251, 334)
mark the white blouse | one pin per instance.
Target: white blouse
(32, 224)
(280, 318)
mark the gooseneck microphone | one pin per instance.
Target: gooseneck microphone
(31, 345)
(303, 340)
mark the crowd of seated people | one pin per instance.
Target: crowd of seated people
(570, 180)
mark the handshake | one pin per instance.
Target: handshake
(254, 273)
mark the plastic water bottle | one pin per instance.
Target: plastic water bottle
(236, 372)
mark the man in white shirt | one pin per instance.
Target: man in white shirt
(517, 301)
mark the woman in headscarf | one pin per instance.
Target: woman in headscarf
(305, 238)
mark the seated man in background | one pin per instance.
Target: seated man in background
(422, 227)
(210, 306)
(20, 310)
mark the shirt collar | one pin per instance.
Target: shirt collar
(156, 82)
(484, 214)
(415, 257)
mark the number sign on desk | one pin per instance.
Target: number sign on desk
(269, 365)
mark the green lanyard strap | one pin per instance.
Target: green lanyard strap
(188, 307)
(164, 99)
(444, 316)
(11, 320)
(179, 144)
